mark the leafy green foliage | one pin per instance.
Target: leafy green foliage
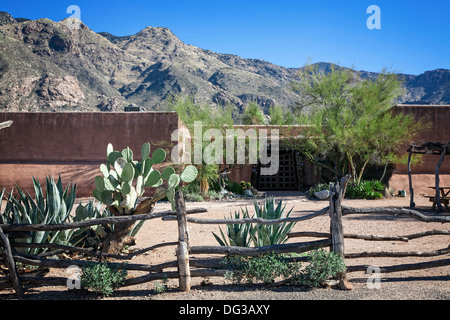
(264, 268)
(280, 117)
(322, 265)
(253, 115)
(352, 120)
(371, 189)
(102, 279)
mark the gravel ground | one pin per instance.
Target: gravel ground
(427, 284)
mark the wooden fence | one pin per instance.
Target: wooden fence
(188, 267)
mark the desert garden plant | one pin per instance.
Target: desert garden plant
(352, 120)
(265, 235)
(124, 181)
(238, 235)
(366, 189)
(50, 207)
(322, 265)
(102, 279)
(264, 268)
(243, 235)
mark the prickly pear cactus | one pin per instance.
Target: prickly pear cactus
(124, 180)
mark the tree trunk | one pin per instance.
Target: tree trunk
(114, 241)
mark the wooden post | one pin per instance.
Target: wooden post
(411, 190)
(438, 191)
(7, 253)
(336, 229)
(183, 244)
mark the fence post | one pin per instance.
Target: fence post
(337, 233)
(7, 252)
(183, 244)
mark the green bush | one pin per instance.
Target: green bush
(318, 187)
(102, 279)
(366, 189)
(234, 187)
(264, 268)
(322, 265)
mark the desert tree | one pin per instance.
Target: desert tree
(351, 120)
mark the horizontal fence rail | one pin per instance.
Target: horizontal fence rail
(188, 267)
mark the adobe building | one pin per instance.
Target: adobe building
(423, 176)
(73, 145)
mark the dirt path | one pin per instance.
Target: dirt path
(412, 285)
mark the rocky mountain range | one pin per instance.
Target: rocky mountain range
(52, 66)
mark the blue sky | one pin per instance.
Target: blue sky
(414, 35)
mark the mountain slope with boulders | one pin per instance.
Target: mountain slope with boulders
(51, 66)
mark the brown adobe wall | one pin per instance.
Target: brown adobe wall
(423, 175)
(73, 144)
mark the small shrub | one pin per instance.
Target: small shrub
(322, 266)
(214, 195)
(161, 287)
(366, 189)
(193, 197)
(102, 279)
(264, 268)
(234, 187)
(318, 187)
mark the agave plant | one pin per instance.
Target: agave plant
(238, 235)
(53, 207)
(243, 235)
(265, 235)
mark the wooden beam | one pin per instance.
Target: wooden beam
(183, 244)
(403, 267)
(10, 263)
(393, 211)
(259, 251)
(438, 191)
(254, 220)
(411, 190)
(6, 124)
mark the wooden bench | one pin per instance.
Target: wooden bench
(444, 201)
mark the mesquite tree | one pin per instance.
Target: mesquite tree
(351, 120)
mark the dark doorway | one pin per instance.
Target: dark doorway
(285, 179)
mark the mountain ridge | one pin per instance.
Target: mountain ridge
(49, 66)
